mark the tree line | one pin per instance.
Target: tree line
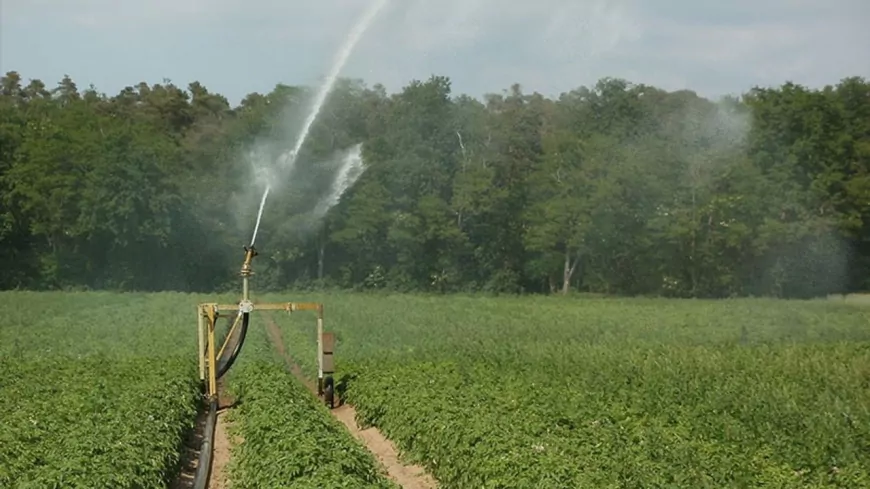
(618, 188)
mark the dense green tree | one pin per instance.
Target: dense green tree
(617, 188)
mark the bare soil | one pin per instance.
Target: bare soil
(220, 457)
(190, 455)
(406, 475)
(221, 443)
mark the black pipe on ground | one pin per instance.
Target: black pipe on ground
(203, 466)
(231, 352)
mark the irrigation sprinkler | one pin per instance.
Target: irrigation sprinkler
(214, 362)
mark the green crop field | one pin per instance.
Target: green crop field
(99, 390)
(553, 392)
(290, 438)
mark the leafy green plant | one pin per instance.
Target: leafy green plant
(91, 396)
(490, 392)
(290, 439)
(98, 390)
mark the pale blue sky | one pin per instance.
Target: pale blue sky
(235, 47)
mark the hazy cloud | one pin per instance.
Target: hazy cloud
(236, 47)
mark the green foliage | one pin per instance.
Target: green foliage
(290, 439)
(547, 392)
(96, 390)
(100, 390)
(616, 188)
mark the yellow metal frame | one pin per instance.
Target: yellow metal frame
(208, 314)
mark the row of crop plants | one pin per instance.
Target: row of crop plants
(285, 437)
(99, 390)
(96, 389)
(610, 393)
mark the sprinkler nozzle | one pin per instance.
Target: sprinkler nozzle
(250, 253)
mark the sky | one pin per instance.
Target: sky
(236, 47)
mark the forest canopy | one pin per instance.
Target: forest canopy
(618, 188)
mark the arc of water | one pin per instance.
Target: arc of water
(341, 58)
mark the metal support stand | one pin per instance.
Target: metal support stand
(208, 314)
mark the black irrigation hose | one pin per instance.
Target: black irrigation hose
(230, 354)
(203, 467)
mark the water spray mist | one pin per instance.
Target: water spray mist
(288, 160)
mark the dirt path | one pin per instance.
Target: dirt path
(221, 454)
(220, 457)
(190, 455)
(407, 476)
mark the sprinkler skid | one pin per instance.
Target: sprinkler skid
(214, 362)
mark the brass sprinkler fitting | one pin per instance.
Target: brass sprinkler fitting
(250, 253)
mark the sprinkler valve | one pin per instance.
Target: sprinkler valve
(246, 306)
(250, 253)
